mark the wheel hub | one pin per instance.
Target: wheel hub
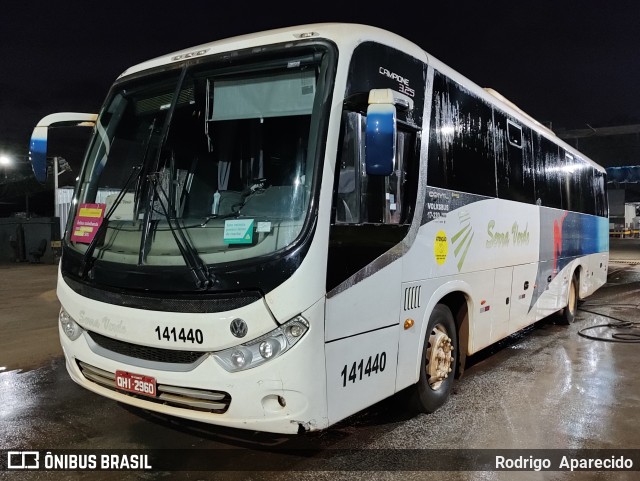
(439, 357)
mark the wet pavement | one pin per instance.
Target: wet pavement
(28, 313)
(548, 387)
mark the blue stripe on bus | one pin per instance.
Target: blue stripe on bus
(583, 235)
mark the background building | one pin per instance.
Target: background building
(618, 149)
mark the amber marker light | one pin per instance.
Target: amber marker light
(408, 324)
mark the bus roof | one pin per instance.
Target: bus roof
(352, 34)
(340, 33)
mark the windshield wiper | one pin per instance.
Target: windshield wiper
(87, 257)
(258, 187)
(199, 271)
(206, 220)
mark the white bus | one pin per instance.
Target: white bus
(304, 221)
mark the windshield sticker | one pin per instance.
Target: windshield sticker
(123, 210)
(238, 231)
(263, 227)
(86, 223)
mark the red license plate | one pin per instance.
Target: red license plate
(136, 383)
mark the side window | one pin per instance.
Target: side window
(371, 213)
(586, 187)
(514, 132)
(401, 184)
(591, 194)
(600, 193)
(549, 173)
(513, 160)
(359, 198)
(461, 144)
(349, 166)
(575, 192)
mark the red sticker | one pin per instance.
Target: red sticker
(86, 224)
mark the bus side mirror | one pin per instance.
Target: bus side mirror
(380, 135)
(38, 143)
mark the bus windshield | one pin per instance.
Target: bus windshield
(210, 161)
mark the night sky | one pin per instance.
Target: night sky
(562, 62)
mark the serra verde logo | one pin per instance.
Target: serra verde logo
(515, 236)
(461, 240)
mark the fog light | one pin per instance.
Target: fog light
(238, 359)
(69, 326)
(69, 330)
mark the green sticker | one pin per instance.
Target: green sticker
(238, 231)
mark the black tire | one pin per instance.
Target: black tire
(568, 314)
(432, 391)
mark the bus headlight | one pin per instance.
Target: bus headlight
(269, 348)
(264, 348)
(69, 326)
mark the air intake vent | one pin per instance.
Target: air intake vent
(189, 398)
(146, 353)
(412, 297)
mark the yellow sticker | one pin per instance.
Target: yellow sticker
(90, 212)
(440, 247)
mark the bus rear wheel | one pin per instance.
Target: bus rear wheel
(437, 368)
(568, 314)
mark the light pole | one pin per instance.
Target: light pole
(56, 208)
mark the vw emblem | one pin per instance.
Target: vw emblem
(238, 328)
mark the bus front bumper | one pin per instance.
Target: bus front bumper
(285, 395)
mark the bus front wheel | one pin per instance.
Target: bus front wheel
(437, 368)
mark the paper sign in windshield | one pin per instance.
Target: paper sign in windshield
(238, 231)
(86, 224)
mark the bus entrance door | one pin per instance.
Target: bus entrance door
(361, 342)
